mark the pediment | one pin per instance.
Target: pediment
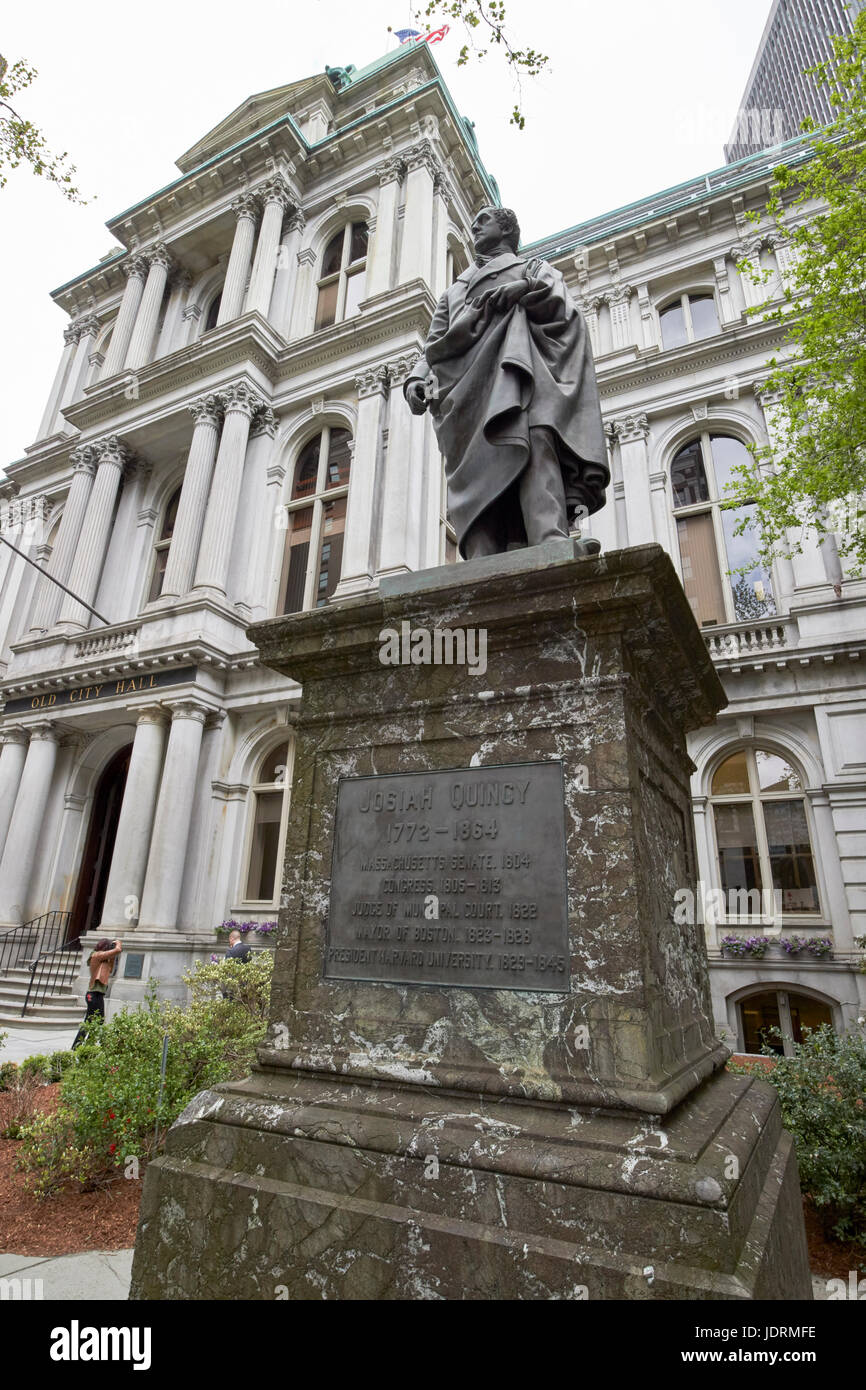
(254, 114)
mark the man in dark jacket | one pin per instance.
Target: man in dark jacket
(238, 948)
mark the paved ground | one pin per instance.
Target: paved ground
(24, 1042)
(98, 1275)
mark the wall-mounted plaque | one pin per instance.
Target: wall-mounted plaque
(133, 965)
(451, 878)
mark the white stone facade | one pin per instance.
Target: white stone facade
(167, 491)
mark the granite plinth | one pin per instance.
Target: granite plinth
(427, 1140)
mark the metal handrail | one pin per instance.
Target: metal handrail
(55, 975)
(31, 938)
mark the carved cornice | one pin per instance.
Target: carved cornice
(631, 429)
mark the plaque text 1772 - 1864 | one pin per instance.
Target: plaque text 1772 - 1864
(451, 878)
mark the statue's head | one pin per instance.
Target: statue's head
(494, 227)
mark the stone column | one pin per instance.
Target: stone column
(619, 299)
(750, 251)
(23, 838)
(13, 752)
(163, 879)
(403, 483)
(86, 331)
(415, 250)
(190, 317)
(95, 533)
(140, 350)
(361, 538)
(48, 596)
(136, 271)
(131, 847)
(287, 271)
(632, 432)
(302, 315)
(246, 210)
(183, 552)
(241, 402)
(443, 194)
(70, 338)
(784, 576)
(658, 483)
(380, 256)
(276, 199)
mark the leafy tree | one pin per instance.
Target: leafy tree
(817, 389)
(21, 142)
(486, 30)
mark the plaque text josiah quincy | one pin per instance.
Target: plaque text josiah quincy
(451, 878)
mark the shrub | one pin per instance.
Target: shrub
(110, 1109)
(21, 1105)
(8, 1073)
(47, 1068)
(821, 1088)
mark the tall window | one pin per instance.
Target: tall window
(710, 551)
(316, 521)
(343, 274)
(268, 808)
(762, 831)
(162, 546)
(688, 319)
(213, 312)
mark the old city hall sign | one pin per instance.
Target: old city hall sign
(116, 688)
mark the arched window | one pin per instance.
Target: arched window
(455, 263)
(687, 319)
(343, 275)
(709, 548)
(792, 1014)
(162, 546)
(316, 521)
(269, 800)
(213, 312)
(762, 834)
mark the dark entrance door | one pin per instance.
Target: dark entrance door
(99, 846)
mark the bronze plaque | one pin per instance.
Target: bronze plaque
(451, 878)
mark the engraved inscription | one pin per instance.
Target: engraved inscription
(451, 878)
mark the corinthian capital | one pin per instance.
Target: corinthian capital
(158, 255)
(112, 450)
(391, 170)
(246, 205)
(243, 399)
(619, 294)
(264, 422)
(70, 334)
(630, 429)
(421, 155)
(275, 190)
(83, 459)
(372, 381)
(136, 266)
(207, 411)
(86, 327)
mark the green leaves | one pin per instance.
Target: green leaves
(488, 20)
(810, 480)
(22, 142)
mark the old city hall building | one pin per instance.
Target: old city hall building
(226, 440)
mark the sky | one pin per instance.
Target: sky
(638, 97)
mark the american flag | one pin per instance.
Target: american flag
(414, 36)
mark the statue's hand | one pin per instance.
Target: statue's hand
(416, 397)
(502, 297)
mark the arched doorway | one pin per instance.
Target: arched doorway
(99, 846)
(767, 1013)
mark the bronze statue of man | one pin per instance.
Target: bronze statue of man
(508, 377)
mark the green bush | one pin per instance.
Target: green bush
(821, 1089)
(109, 1108)
(8, 1073)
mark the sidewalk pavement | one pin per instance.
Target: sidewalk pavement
(24, 1042)
(98, 1275)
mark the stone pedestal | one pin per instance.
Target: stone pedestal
(416, 1141)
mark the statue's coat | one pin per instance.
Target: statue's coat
(499, 375)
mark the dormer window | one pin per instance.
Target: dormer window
(687, 319)
(343, 275)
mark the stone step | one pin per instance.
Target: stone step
(13, 988)
(40, 1018)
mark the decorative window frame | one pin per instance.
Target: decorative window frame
(274, 739)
